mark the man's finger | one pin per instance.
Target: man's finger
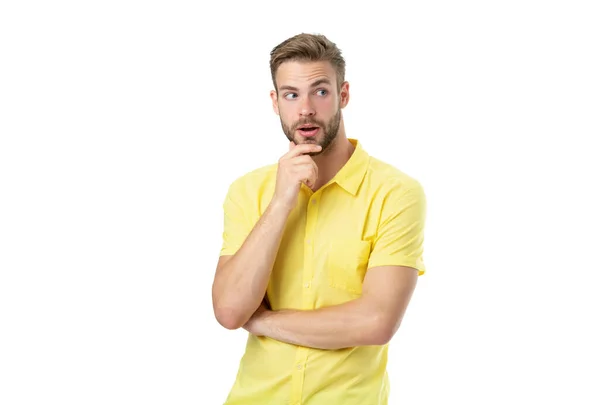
(302, 149)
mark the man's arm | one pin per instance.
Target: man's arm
(241, 278)
(371, 319)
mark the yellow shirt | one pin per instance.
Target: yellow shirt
(370, 214)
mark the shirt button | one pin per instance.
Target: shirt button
(299, 366)
(307, 285)
(314, 202)
(308, 241)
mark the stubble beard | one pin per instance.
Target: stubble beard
(330, 132)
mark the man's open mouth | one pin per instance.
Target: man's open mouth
(308, 129)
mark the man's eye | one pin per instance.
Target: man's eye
(323, 92)
(290, 96)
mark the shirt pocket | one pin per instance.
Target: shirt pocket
(347, 262)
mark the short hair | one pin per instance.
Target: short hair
(308, 48)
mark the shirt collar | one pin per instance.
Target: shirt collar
(351, 175)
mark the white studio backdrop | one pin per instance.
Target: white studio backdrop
(123, 123)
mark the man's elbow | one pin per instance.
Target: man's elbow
(230, 318)
(383, 331)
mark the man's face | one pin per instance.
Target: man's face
(308, 98)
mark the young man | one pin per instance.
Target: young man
(321, 250)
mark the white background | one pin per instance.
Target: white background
(122, 124)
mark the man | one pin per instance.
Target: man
(321, 251)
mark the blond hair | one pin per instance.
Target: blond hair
(308, 48)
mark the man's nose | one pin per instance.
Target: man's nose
(306, 108)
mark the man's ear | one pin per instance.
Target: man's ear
(274, 101)
(344, 94)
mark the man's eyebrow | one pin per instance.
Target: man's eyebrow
(314, 84)
(288, 88)
(320, 81)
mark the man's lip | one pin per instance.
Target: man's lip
(308, 126)
(309, 134)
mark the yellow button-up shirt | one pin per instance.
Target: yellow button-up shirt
(370, 214)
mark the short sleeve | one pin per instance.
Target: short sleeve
(236, 223)
(400, 234)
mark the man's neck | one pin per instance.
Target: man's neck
(333, 160)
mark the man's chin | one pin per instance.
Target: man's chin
(308, 141)
(304, 140)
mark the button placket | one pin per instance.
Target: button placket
(307, 300)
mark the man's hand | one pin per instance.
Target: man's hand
(294, 168)
(255, 324)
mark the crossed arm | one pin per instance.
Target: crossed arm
(371, 319)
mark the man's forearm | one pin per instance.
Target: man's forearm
(241, 284)
(354, 323)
